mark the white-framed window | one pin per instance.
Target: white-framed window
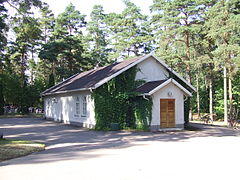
(84, 106)
(77, 106)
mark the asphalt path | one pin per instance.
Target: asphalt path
(77, 153)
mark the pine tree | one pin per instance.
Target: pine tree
(27, 36)
(3, 41)
(69, 22)
(223, 24)
(204, 63)
(2, 102)
(65, 50)
(177, 24)
(51, 81)
(47, 21)
(128, 31)
(97, 36)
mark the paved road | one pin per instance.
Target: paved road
(75, 153)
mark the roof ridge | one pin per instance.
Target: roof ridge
(58, 84)
(95, 78)
(99, 73)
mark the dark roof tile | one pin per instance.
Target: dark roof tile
(149, 86)
(88, 79)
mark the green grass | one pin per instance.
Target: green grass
(10, 149)
(31, 115)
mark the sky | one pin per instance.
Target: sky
(85, 6)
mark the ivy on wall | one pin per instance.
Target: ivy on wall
(116, 102)
(143, 112)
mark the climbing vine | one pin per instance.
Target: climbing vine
(117, 102)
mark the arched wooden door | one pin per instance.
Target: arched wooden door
(167, 113)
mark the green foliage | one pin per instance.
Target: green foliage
(97, 36)
(69, 22)
(195, 37)
(47, 21)
(177, 24)
(187, 104)
(51, 81)
(11, 91)
(115, 102)
(129, 32)
(143, 112)
(65, 49)
(3, 29)
(2, 103)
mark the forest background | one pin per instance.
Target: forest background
(197, 38)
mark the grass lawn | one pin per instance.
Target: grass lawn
(31, 115)
(10, 149)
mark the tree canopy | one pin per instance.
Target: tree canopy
(198, 39)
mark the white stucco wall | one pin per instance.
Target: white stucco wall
(151, 70)
(177, 94)
(62, 107)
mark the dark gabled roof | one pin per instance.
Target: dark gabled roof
(94, 78)
(149, 86)
(87, 80)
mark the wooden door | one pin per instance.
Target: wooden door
(167, 113)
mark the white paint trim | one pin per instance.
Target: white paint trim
(43, 93)
(121, 71)
(138, 61)
(166, 83)
(159, 87)
(174, 72)
(67, 91)
(181, 87)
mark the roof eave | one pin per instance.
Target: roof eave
(67, 91)
(174, 72)
(159, 87)
(182, 88)
(58, 84)
(121, 71)
(186, 92)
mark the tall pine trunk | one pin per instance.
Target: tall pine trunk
(31, 70)
(225, 95)
(2, 102)
(189, 79)
(198, 97)
(231, 120)
(211, 96)
(22, 69)
(1, 97)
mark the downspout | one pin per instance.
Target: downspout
(91, 90)
(144, 97)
